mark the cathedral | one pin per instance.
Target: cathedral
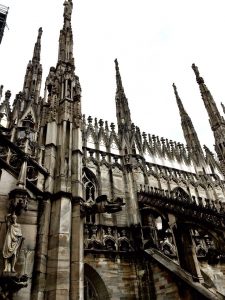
(97, 211)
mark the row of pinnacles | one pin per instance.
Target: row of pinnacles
(98, 133)
(99, 136)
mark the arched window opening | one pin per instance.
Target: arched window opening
(69, 86)
(28, 121)
(90, 191)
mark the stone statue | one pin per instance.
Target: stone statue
(12, 243)
(68, 6)
(168, 247)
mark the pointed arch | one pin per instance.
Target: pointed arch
(181, 194)
(30, 113)
(90, 190)
(102, 144)
(90, 184)
(91, 140)
(94, 285)
(114, 146)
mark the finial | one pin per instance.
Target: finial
(118, 77)
(112, 126)
(175, 91)
(101, 123)
(117, 69)
(89, 119)
(116, 64)
(195, 68)
(179, 102)
(7, 95)
(106, 126)
(37, 47)
(68, 6)
(40, 31)
(144, 135)
(196, 71)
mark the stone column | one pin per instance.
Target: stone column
(186, 250)
(77, 252)
(131, 196)
(50, 155)
(59, 220)
(58, 266)
(40, 265)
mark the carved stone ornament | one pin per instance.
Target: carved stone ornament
(18, 201)
(102, 205)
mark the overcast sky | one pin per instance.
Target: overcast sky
(155, 43)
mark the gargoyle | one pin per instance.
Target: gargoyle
(102, 205)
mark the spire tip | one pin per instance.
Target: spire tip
(116, 63)
(175, 90)
(196, 71)
(40, 31)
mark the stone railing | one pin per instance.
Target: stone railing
(12, 158)
(205, 211)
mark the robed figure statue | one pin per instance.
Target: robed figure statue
(12, 243)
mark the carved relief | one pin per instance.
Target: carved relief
(109, 238)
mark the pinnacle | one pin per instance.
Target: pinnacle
(116, 63)
(68, 7)
(40, 31)
(37, 46)
(199, 79)
(179, 102)
(117, 67)
(175, 90)
(118, 76)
